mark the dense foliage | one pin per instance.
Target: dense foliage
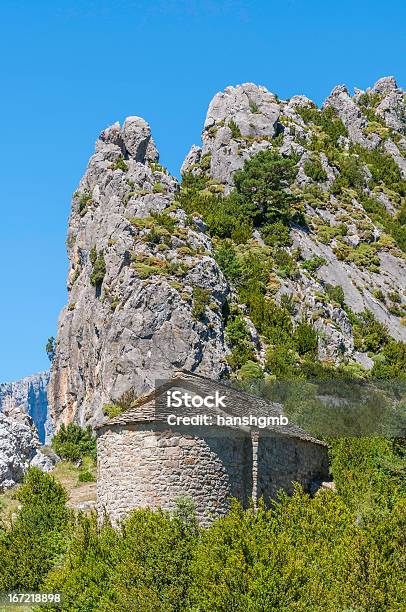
(336, 551)
(36, 538)
(73, 442)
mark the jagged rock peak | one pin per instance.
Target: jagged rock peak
(135, 262)
(385, 85)
(133, 139)
(244, 104)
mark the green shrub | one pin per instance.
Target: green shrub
(119, 165)
(145, 566)
(335, 293)
(276, 234)
(99, 267)
(224, 216)
(315, 170)
(250, 371)
(36, 539)
(263, 184)
(50, 348)
(254, 107)
(226, 258)
(364, 256)
(313, 264)
(392, 364)
(86, 476)
(284, 263)
(126, 401)
(327, 119)
(235, 130)
(305, 338)
(158, 188)
(238, 336)
(201, 299)
(72, 442)
(85, 199)
(112, 410)
(369, 334)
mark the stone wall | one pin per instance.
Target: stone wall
(147, 465)
(283, 460)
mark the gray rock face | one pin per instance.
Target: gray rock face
(137, 325)
(259, 116)
(17, 448)
(246, 113)
(20, 447)
(29, 395)
(131, 313)
(352, 117)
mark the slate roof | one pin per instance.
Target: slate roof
(151, 407)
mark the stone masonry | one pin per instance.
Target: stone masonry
(144, 462)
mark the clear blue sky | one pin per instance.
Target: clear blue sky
(69, 69)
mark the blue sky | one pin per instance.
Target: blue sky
(69, 69)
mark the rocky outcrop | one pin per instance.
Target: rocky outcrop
(29, 395)
(245, 119)
(136, 282)
(19, 447)
(145, 295)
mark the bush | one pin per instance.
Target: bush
(335, 293)
(250, 371)
(306, 339)
(72, 442)
(85, 199)
(250, 561)
(224, 216)
(284, 263)
(369, 334)
(50, 348)
(201, 299)
(144, 567)
(226, 257)
(119, 165)
(393, 362)
(235, 130)
(263, 184)
(327, 119)
(158, 188)
(276, 234)
(313, 264)
(86, 476)
(237, 334)
(36, 539)
(99, 268)
(315, 170)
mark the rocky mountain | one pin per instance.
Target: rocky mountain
(130, 318)
(283, 249)
(20, 447)
(30, 396)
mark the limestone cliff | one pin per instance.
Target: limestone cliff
(29, 395)
(137, 280)
(20, 447)
(351, 160)
(146, 296)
